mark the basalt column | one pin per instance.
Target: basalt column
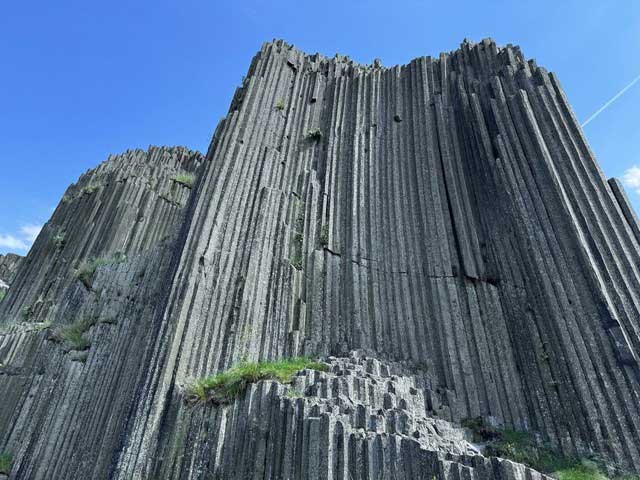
(439, 234)
(448, 213)
(78, 320)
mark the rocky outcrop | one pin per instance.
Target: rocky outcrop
(445, 219)
(65, 400)
(9, 264)
(361, 419)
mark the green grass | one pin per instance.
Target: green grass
(6, 462)
(293, 393)
(73, 335)
(58, 239)
(584, 471)
(227, 385)
(25, 313)
(313, 134)
(88, 268)
(3, 293)
(186, 179)
(521, 447)
(296, 261)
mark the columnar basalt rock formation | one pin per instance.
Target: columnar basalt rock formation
(439, 232)
(65, 404)
(9, 264)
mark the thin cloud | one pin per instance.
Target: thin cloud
(613, 99)
(30, 232)
(631, 178)
(21, 241)
(12, 242)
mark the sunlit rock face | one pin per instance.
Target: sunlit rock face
(438, 233)
(9, 264)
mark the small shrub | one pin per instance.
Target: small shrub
(88, 189)
(186, 179)
(73, 335)
(280, 105)
(296, 261)
(521, 447)
(6, 462)
(58, 239)
(518, 447)
(25, 313)
(227, 385)
(313, 134)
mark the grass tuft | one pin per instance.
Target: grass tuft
(280, 105)
(313, 134)
(3, 294)
(296, 261)
(6, 462)
(225, 386)
(73, 335)
(186, 179)
(58, 239)
(25, 313)
(521, 447)
(583, 471)
(87, 269)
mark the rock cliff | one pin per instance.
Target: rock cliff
(9, 264)
(438, 233)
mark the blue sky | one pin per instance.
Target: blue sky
(83, 79)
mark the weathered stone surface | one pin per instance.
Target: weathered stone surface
(361, 419)
(9, 264)
(445, 219)
(64, 412)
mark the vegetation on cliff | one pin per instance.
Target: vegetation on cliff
(72, 336)
(88, 268)
(6, 462)
(225, 386)
(521, 447)
(185, 179)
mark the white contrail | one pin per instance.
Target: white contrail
(615, 97)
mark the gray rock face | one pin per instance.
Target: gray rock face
(361, 419)
(65, 405)
(440, 232)
(9, 264)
